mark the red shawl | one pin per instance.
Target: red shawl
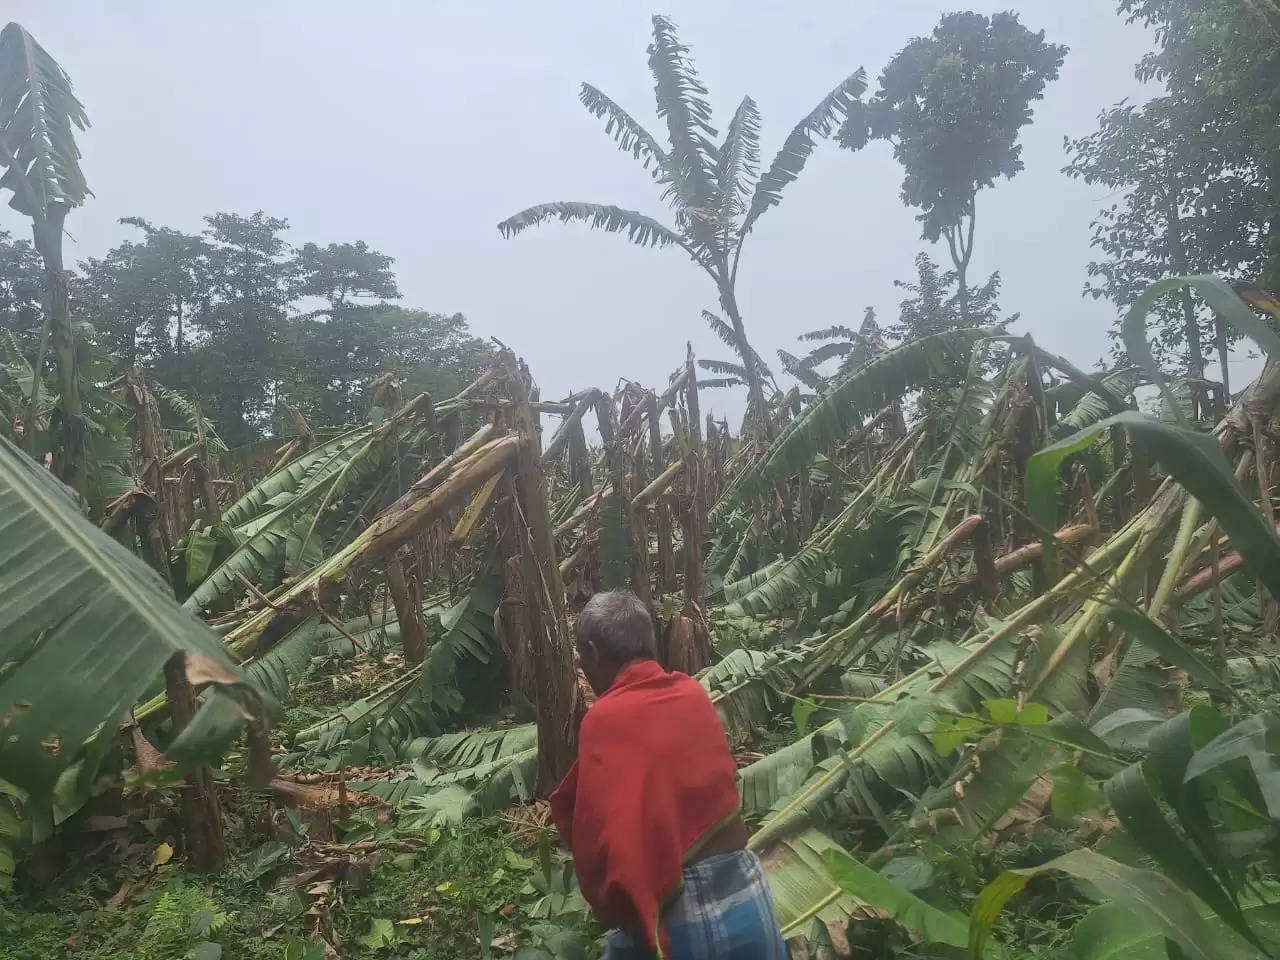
(654, 776)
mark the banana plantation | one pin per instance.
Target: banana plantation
(992, 635)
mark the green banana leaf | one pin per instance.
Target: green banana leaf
(85, 627)
(1194, 460)
(1218, 295)
(921, 919)
(1151, 899)
(1114, 932)
(844, 406)
(1133, 793)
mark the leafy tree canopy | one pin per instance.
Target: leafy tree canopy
(346, 270)
(1185, 208)
(952, 104)
(1195, 166)
(933, 304)
(20, 279)
(236, 316)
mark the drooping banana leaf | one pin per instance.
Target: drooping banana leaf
(1218, 295)
(190, 412)
(743, 685)
(801, 884)
(37, 114)
(288, 532)
(289, 659)
(1150, 898)
(1005, 764)
(734, 590)
(811, 877)
(845, 405)
(415, 703)
(1090, 408)
(256, 559)
(1193, 459)
(924, 921)
(880, 767)
(475, 771)
(1112, 931)
(312, 466)
(85, 627)
(471, 747)
(844, 545)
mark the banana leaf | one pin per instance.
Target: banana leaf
(1194, 460)
(85, 627)
(844, 406)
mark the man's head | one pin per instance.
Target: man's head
(613, 629)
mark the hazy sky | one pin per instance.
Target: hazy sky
(418, 126)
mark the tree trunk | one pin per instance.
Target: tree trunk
(148, 519)
(687, 640)
(204, 486)
(1220, 336)
(634, 442)
(580, 461)
(413, 638)
(73, 468)
(570, 429)
(755, 390)
(559, 708)
(151, 513)
(755, 385)
(1190, 327)
(202, 826)
(693, 582)
(661, 516)
(960, 245)
(616, 572)
(715, 461)
(515, 634)
(1121, 504)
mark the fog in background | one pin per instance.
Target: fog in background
(418, 126)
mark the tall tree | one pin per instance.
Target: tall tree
(338, 360)
(952, 105)
(715, 192)
(339, 342)
(245, 358)
(147, 299)
(38, 118)
(1186, 208)
(343, 274)
(232, 315)
(1221, 72)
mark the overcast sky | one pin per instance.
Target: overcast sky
(418, 126)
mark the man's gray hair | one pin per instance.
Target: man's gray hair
(619, 625)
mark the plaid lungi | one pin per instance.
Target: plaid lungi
(723, 911)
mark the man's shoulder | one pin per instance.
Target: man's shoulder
(649, 694)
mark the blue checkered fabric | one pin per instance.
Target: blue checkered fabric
(723, 911)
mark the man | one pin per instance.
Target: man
(650, 809)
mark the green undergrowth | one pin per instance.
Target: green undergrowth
(422, 903)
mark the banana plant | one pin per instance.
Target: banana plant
(717, 191)
(39, 115)
(85, 628)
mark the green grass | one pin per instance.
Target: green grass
(457, 876)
